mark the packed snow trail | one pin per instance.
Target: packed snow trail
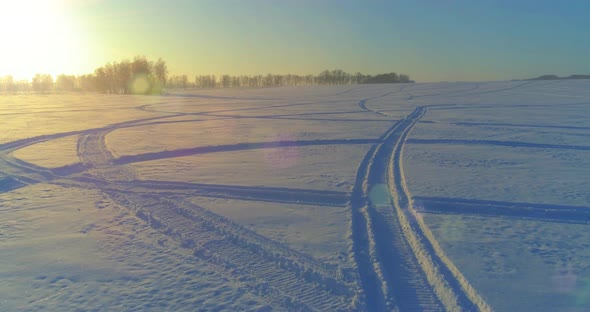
(390, 274)
(514, 210)
(400, 263)
(283, 277)
(449, 284)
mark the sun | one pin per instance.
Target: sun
(38, 37)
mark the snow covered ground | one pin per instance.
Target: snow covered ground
(430, 197)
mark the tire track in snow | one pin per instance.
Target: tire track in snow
(451, 287)
(283, 277)
(8, 147)
(270, 194)
(515, 210)
(26, 173)
(363, 103)
(20, 173)
(237, 192)
(127, 159)
(390, 274)
(500, 143)
(276, 273)
(400, 263)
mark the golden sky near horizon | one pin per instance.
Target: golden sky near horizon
(457, 40)
(39, 36)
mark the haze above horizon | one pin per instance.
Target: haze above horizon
(430, 40)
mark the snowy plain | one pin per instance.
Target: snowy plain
(425, 197)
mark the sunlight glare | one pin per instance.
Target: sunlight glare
(37, 36)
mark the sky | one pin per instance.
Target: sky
(436, 40)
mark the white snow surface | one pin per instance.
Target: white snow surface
(298, 199)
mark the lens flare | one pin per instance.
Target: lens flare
(582, 293)
(140, 85)
(379, 195)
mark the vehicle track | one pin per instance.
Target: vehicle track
(283, 277)
(279, 274)
(400, 263)
(514, 210)
(8, 147)
(271, 194)
(127, 159)
(390, 274)
(449, 284)
(363, 103)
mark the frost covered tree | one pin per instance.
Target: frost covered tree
(161, 71)
(139, 75)
(7, 83)
(42, 83)
(65, 82)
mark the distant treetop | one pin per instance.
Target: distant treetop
(555, 77)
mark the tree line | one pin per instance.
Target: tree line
(137, 76)
(142, 76)
(326, 77)
(555, 77)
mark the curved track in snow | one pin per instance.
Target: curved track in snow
(400, 263)
(284, 278)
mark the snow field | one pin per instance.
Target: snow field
(409, 197)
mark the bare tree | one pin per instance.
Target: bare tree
(161, 71)
(65, 83)
(42, 83)
(7, 84)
